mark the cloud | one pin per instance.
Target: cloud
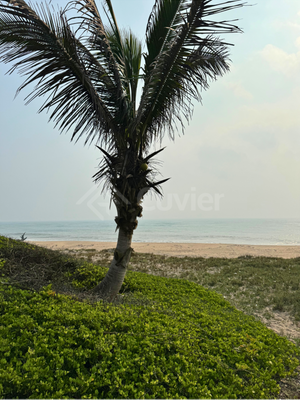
(280, 61)
(293, 25)
(255, 128)
(238, 90)
(284, 25)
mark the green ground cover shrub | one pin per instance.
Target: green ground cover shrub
(188, 342)
(164, 338)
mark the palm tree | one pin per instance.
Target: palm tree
(88, 75)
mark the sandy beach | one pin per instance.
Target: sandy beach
(185, 249)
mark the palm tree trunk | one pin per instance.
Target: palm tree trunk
(110, 286)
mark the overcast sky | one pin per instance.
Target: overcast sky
(239, 157)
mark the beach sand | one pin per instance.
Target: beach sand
(185, 249)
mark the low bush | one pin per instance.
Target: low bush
(167, 338)
(187, 343)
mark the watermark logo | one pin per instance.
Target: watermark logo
(91, 199)
(187, 202)
(182, 202)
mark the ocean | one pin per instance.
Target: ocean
(230, 231)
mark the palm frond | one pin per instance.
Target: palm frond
(188, 56)
(90, 23)
(45, 50)
(146, 159)
(109, 11)
(127, 52)
(121, 173)
(161, 29)
(101, 41)
(156, 185)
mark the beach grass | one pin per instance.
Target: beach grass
(266, 288)
(256, 285)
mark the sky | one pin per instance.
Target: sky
(239, 156)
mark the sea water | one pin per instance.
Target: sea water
(231, 231)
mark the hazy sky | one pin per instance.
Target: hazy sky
(239, 157)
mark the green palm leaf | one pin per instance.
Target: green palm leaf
(128, 53)
(187, 56)
(46, 51)
(161, 29)
(94, 36)
(119, 53)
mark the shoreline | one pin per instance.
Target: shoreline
(183, 249)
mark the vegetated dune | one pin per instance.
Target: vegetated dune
(162, 338)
